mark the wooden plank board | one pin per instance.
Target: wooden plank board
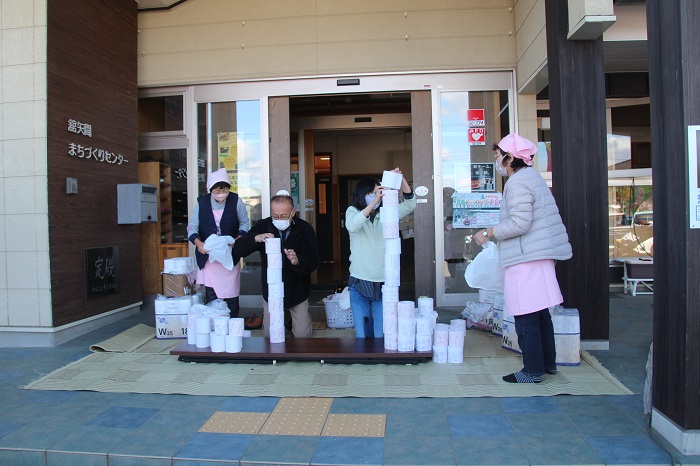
(344, 350)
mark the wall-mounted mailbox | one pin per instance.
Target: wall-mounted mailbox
(137, 203)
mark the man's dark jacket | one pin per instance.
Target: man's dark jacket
(301, 237)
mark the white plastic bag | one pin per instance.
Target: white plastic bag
(219, 250)
(345, 299)
(485, 270)
(479, 315)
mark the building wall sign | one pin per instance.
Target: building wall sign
(87, 152)
(101, 274)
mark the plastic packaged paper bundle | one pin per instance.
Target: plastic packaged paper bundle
(171, 326)
(567, 335)
(510, 338)
(478, 315)
(392, 179)
(179, 265)
(172, 305)
(499, 301)
(487, 296)
(497, 328)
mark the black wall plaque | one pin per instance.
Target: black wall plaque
(101, 271)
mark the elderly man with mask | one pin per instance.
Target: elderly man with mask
(299, 250)
(219, 212)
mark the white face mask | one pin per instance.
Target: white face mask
(221, 197)
(500, 169)
(281, 225)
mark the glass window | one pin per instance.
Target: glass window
(470, 122)
(229, 136)
(630, 217)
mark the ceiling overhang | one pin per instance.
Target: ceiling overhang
(154, 5)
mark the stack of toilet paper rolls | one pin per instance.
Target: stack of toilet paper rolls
(425, 324)
(455, 347)
(441, 340)
(203, 331)
(275, 289)
(406, 326)
(389, 217)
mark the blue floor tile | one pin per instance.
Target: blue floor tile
(416, 425)
(147, 442)
(349, 450)
(479, 425)
(536, 404)
(586, 404)
(433, 451)
(359, 406)
(117, 460)
(281, 449)
(70, 414)
(186, 402)
(242, 404)
(628, 403)
(74, 459)
(479, 450)
(166, 420)
(416, 405)
(35, 435)
(22, 457)
(92, 439)
(207, 447)
(121, 416)
(8, 427)
(473, 406)
(637, 449)
(49, 396)
(543, 425)
(560, 451)
(144, 400)
(606, 424)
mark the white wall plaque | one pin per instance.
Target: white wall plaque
(421, 191)
(694, 175)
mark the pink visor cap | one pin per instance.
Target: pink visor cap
(520, 147)
(219, 176)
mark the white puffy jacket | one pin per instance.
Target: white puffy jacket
(529, 226)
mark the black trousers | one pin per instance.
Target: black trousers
(232, 303)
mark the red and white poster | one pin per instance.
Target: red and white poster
(475, 117)
(477, 136)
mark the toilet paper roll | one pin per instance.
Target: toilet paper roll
(407, 342)
(274, 260)
(277, 335)
(275, 305)
(407, 326)
(191, 333)
(234, 343)
(247, 334)
(424, 342)
(392, 245)
(455, 355)
(389, 214)
(276, 319)
(424, 326)
(391, 179)
(392, 278)
(391, 230)
(441, 335)
(390, 294)
(275, 290)
(390, 198)
(390, 320)
(202, 340)
(217, 342)
(220, 324)
(425, 304)
(439, 354)
(406, 310)
(459, 324)
(236, 326)
(274, 275)
(456, 338)
(391, 341)
(273, 246)
(392, 261)
(203, 324)
(391, 307)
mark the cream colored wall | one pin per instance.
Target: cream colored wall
(531, 45)
(25, 290)
(226, 40)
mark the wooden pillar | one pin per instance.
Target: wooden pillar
(674, 54)
(424, 216)
(579, 167)
(280, 173)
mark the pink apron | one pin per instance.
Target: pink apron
(226, 283)
(530, 287)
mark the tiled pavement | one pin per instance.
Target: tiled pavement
(88, 428)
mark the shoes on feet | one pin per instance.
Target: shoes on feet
(253, 322)
(522, 377)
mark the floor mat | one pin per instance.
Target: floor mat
(479, 376)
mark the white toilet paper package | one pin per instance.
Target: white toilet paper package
(478, 315)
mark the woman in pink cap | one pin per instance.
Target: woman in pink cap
(219, 212)
(531, 237)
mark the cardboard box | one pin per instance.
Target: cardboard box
(176, 285)
(510, 338)
(499, 301)
(173, 306)
(497, 328)
(171, 326)
(568, 348)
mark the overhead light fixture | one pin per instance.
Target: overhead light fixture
(348, 82)
(325, 158)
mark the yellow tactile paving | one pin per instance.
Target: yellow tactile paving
(298, 416)
(355, 425)
(222, 422)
